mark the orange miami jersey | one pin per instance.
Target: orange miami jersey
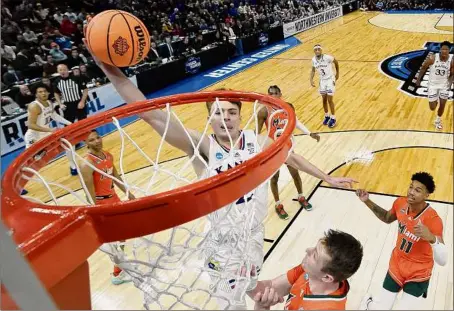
(104, 186)
(412, 257)
(275, 122)
(301, 298)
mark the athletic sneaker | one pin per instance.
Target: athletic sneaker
(332, 123)
(121, 278)
(73, 171)
(326, 120)
(281, 212)
(438, 125)
(304, 204)
(365, 302)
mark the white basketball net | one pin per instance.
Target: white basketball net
(208, 263)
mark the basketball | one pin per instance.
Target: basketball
(118, 38)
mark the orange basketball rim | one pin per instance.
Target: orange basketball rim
(57, 240)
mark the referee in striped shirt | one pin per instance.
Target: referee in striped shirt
(71, 94)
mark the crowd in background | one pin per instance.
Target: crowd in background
(400, 5)
(36, 36)
(39, 35)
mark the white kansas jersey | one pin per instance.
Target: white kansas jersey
(439, 72)
(43, 120)
(220, 160)
(324, 66)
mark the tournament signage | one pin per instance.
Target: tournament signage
(100, 99)
(193, 65)
(263, 39)
(405, 66)
(303, 24)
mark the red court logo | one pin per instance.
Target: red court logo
(121, 46)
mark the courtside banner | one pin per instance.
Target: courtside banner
(309, 22)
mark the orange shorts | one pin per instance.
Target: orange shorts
(103, 200)
(404, 271)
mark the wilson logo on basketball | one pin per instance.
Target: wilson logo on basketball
(141, 42)
(120, 46)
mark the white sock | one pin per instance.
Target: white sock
(408, 302)
(438, 119)
(333, 117)
(278, 202)
(384, 301)
(70, 159)
(300, 195)
(326, 114)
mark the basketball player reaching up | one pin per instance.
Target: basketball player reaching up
(274, 127)
(324, 65)
(100, 187)
(41, 112)
(440, 79)
(419, 243)
(320, 281)
(215, 149)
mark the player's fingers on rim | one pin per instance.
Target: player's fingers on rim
(258, 296)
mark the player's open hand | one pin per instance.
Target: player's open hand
(363, 195)
(423, 232)
(269, 297)
(341, 182)
(315, 136)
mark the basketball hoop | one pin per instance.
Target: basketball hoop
(45, 232)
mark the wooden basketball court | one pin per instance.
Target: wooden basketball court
(382, 137)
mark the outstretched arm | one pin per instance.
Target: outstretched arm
(176, 134)
(382, 214)
(300, 163)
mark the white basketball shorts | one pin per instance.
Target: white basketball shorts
(436, 92)
(327, 87)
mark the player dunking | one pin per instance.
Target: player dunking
(324, 65)
(100, 187)
(320, 281)
(215, 148)
(440, 79)
(274, 127)
(419, 243)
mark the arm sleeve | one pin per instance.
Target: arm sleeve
(294, 274)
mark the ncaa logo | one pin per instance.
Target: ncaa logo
(405, 66)
(219, 156)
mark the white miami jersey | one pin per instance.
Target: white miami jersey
(324, 66)
(43, 120)
(220, 160)
(439, 72)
